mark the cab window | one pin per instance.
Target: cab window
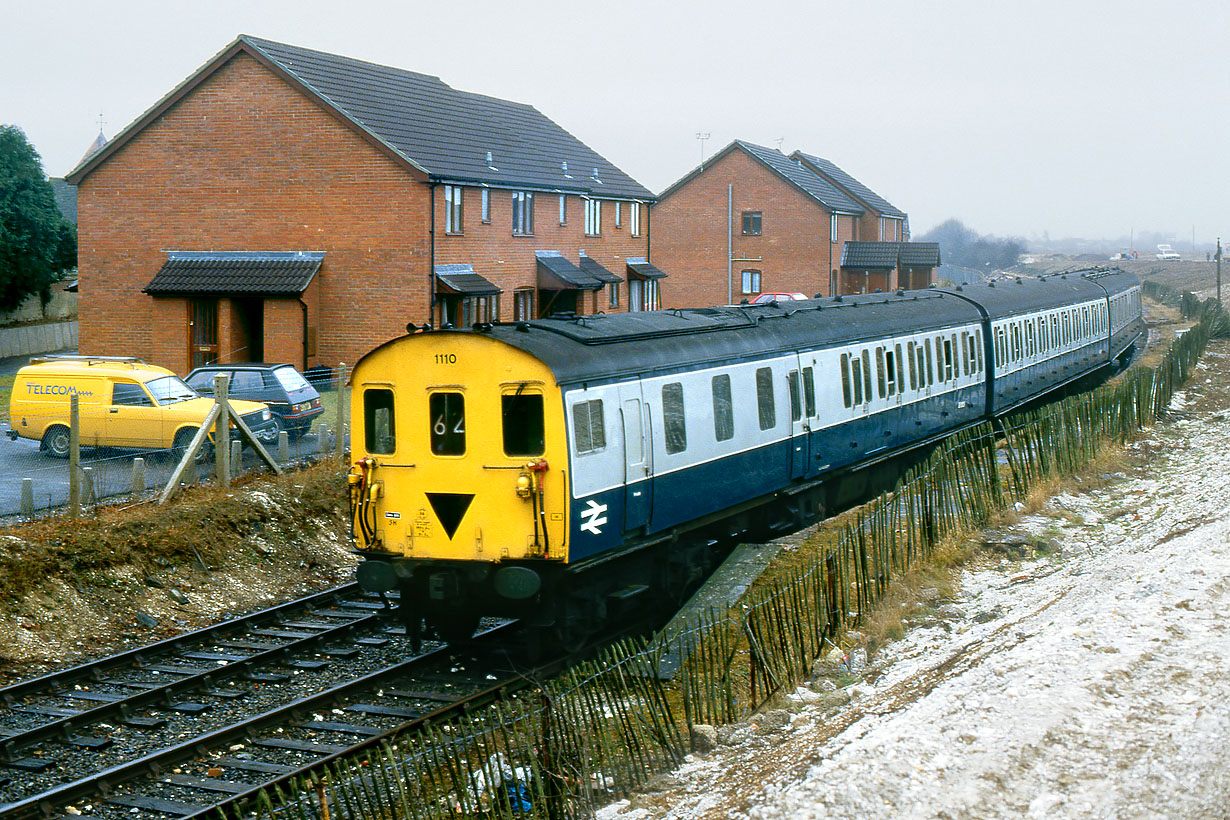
(130, 395)
(378, 429)
(521, 415)
(447, 416)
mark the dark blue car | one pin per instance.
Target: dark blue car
(292, 400)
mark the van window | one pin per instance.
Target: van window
(673, 418)
(723, 409)
(378, 429)
(521, 416)
(588, 426)
(764, 398)
(447, 416)
(130, 395)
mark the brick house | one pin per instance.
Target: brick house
(284, 204)
(881, 220)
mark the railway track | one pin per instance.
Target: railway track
(183, 726)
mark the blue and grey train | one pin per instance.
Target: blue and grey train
(555, 468)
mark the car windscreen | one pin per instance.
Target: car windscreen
(169, 390)
(291, 379)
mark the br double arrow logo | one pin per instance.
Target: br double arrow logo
(594, 517)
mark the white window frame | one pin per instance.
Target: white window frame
(750, 281)
(453, 200)
(634, 218)
(593, 217)
(563, 209)
(523, 213)
(486, 204)
(833, 227)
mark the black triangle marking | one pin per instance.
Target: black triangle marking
(450, 509)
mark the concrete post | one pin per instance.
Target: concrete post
(342, 402)
(322, 439)
(27, 497)
(74, 456)
(237, 457)
(283, 447)
(87, 486)
(222, 431)
(138, 476)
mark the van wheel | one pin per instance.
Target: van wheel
(180, 446)
(56, 441)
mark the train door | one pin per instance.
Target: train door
(638, 457)
(800, 420)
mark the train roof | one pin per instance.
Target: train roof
(1011, 297)
(610, 347)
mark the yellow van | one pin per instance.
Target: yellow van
(121, 401)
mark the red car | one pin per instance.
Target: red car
(765, 298)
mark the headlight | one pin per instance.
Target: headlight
(265, 415)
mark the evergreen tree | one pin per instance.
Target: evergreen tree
(36, 242)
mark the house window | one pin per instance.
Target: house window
(884, 229)
(751, 223)
(634, 218)
(486, 204)
(522, 213)
(593, 217)
(619, 215)
(523, 305)
(612, 291)
(751, 281)
(833, 228)
(483, 309)
(452, 209)
(563, 209)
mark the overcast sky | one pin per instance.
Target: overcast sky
(1074, 118)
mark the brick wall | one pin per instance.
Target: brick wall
(508, 260)
(690, 235)
(245, 162)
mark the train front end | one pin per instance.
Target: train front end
(457, 491)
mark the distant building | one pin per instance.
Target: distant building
(284, 204)
(752, 220)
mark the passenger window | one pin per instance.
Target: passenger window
(881, 380)
(930, 374)
(673, 418)
(379, 431)
(588, 426)
(809, 391)
(898, 379)
(447, 415)
(845, 380)
(522, 417)
(947, 363)
(723, 409)
(796, 401)
(856, 375)
(867, 375)
(909, 348)
(247, 381)
(130, 395)
(764, 398)
(978, 348)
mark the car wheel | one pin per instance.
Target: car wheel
(271, 435)
(56, 440)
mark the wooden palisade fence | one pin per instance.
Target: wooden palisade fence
(606, 727)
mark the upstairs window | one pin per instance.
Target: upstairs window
(522, 213)
(634, 218)
(485, 200)
(751, 223)
(563, 209)
(452, 209)
(833, 228)
(593, 217)
(619, 221)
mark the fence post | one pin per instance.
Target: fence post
(138, 475)
(74, 457)
(283, 446)
(322, 439)
(340, 447)
(237, 457)
(27, 497)
(222, 431)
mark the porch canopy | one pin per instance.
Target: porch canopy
(269, 274)
(639, 267)
(463, 281)
(594, 269)
(557, 273)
